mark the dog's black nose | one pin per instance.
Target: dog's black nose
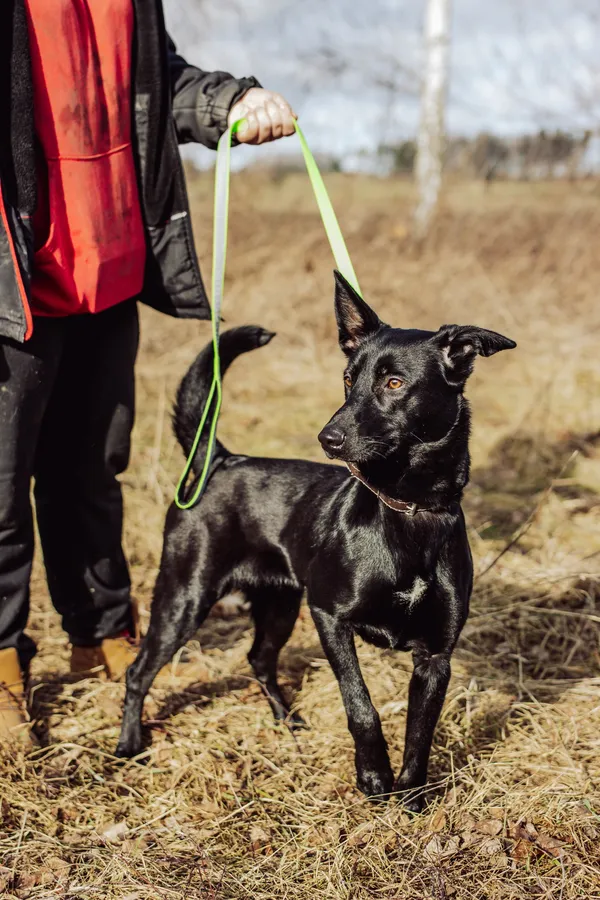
(332, 439)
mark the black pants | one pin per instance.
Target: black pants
(66, 414)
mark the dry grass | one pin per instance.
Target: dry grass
(228, 805)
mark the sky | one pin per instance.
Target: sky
(351, 69)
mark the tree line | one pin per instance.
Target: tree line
(545, 154)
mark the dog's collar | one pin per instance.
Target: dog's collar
(401, 506)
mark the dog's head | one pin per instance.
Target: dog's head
(403, 386)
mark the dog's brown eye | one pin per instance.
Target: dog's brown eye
(394, 384)
(347, 381)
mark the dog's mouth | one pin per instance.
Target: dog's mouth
(340, 454)
(356, 449)
(343, 458)
(337, 444)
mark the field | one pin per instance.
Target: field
(229, 806)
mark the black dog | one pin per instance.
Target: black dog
(383, 554)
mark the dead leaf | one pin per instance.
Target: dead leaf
(470, 837)
(492, 847)
(5, 878)
(59, 866)
(438, 821)
(332, 833)
(397, 818)
(67, 814)
(390, 841)
(453, 796)
(521, 851)
(467, 822)
(208, 809)
(522, 831)
(452, 846)
(441, 847)
(44, 877)
(433, 849)
(551, 845)
(259, 840)
(258, 834)
(115, 832)
(490, 827)
(361, 835)
(26, 882)
(496, 812)
(135, 845)
(171, 824)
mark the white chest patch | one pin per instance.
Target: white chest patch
(414, 594)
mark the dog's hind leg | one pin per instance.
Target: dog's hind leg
(177, 612)
(274, 610)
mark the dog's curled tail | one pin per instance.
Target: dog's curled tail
(193, 391)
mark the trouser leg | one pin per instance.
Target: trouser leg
(84, 445)
(27, 376)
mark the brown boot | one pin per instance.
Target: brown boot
(109, 661)
(14, 719)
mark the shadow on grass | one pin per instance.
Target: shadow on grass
(504, 492)
(293, 664)
(520, 646)
(533, 639)
(46, 698)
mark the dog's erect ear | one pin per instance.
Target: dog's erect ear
(355, 318)
(460, 344)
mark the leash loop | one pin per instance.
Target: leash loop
(219, 256)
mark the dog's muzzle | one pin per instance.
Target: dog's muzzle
(332, 439)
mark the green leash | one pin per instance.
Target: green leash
(220, 224)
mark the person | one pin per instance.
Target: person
(94, 218)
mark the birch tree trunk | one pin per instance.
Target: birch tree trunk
(430, 143)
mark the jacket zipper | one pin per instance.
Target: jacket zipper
(17, 268)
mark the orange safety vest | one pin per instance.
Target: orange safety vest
(88, 228)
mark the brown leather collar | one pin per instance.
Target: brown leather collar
(401, 506)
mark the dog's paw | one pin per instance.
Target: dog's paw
(127, 749)
(375, 785)
(413, 803)
(296, 723)
(411, 797)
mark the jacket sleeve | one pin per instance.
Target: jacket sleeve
(202, 100)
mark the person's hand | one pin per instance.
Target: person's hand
(268, 117)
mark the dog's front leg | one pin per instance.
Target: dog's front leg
(425, 700)
(373, 770)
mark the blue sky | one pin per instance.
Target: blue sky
(516, 65)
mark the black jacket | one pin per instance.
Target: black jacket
(173, 103)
